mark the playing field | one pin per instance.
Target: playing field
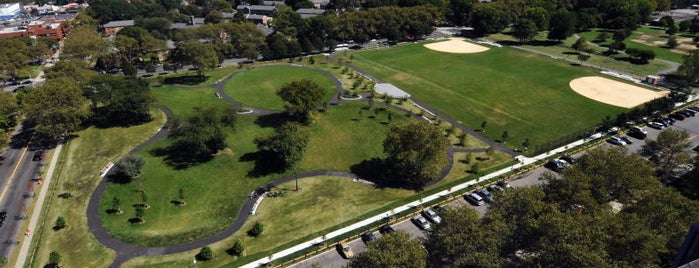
(525, 94)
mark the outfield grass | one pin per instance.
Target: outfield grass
(215, 190)
(564, 49)
(77, 174)
(182, 100)
(257, 87)
(522, 93)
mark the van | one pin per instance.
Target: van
(474, 199)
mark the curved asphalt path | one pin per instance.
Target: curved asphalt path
(125, 251)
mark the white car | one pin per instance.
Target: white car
(421, 222)
(616, 141)
(432, 216)
(656, 125)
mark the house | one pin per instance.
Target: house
(193, 23)
(310, 12)
(320, 3)
(258, 19)
(264, 28)
(113, 27)
(9, 10)
(273, 3)
(37, 29)
(256, 9)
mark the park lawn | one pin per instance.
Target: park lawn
(660, 51)
(77, 173)
(183, 100)
(257, 87)
(564, 49)
(211, 76)
(522, 93)
(460, 169)
(215, 190)
(322, 202)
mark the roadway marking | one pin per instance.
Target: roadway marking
(12, 175)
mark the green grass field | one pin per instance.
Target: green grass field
(257, 87)
(660, 51)
(522, 93)
(77, 174)
(183, 100)
(215, 190)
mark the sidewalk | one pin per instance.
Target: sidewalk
(523, 161)
(24, 250)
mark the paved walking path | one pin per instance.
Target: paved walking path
(127, 251)
(24, 250)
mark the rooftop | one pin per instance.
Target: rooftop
(118, 23)
(310, 11)
(256, 7)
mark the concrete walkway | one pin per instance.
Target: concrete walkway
(26, 242)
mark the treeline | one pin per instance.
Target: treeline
(606, 211)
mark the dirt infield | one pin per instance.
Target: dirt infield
(613, 92)
(456, 45)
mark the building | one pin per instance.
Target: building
(113, 27)
(256, 9)
(37, 29)
(9, 11)
(310, 12)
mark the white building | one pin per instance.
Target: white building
(8, 11)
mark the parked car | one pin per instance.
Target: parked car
(345, 250)
(3, 216)
(486, 195)
(694, 108)
(386, 229)
(656, 125)
(495, 188)
(626, 140)
(504, 185)
(555, 165)
(689, 112)
(569, 159)
(26, 82)
(421, 222)
(432, 216)
(677, 116)
(638, 132)
(616, 141)
(368, 236)
(474, 199)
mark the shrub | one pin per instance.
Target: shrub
(256, 230)
(54, 258)
(237, 249)
(205, 254)
(60, 223)
(129, 167)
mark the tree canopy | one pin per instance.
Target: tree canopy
(667, 151)
(201, 55)
(392, 250)
(416, 152)
(119, 100)
(285, 147)
(201, 136)
(58, 107)
(301, 98)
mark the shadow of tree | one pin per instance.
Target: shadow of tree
(265, 163)
(185, 80)
(180, 156)
(273, 120)
(102, 119)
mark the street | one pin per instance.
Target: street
(332, 258)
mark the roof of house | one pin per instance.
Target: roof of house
(118, 23)
(256, 7)
(254, 17)
(305, 16)
(310, 11)
(273, 3)
(320, 2)
(228, 15)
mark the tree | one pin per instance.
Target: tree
(84, 43)
(462, 139)
(416, 152)
(201, 55)
(640, 55)
(486, 19)
(8, 110)
(382, 253)
(205, 254)
(202, 135)
(237, 248)
(54, 259)
(14, 57)
(77, 71)
(561, 25)
(538, 15)
(60, 223)
(116, 206)
(301, 97)
(180, 195)
(671, 42)
(583, 58)
(256, 230)
(286, 146)
(475, 169)
(581, 44)
(602, 37)
(58, 108)
(139, 214)
(129, 167)
(483, 125)
(690, 66)
(463, 241)
(524, 30)
(667, 151)
(504, 137)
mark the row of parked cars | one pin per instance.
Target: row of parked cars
(561, 163)
(481, 196)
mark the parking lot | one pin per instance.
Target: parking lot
(332, 258)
